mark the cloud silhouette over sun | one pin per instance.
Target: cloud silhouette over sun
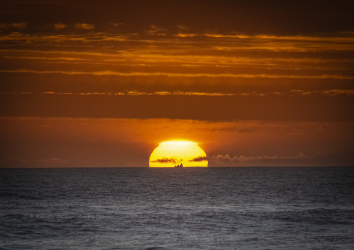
(172, 153)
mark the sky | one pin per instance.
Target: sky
(102, 83)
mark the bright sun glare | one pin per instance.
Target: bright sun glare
(171, 153)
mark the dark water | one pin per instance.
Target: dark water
(207, 208)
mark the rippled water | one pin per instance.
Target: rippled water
(190, 208)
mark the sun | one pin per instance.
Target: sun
(172, 153)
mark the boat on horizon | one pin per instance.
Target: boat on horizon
(179, 166)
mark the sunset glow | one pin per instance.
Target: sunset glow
(101, 83)
(182, 124)
(172, 153)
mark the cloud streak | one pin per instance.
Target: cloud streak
(59, 26)
(319, 159)
(331, 92)
(199, 159)
(167, 160)
(84, 26)
(199, 41)
(339, 92)
(290, 38)
(166, 74)
(13, 25)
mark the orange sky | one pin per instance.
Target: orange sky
(100, 84)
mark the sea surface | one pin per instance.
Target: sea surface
(189, 208)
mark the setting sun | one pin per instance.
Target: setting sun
(173, 153)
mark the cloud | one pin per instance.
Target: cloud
(300, 92)
(116, 38)
(192, 93)
(84, 26)
(167, 160)
(45, 58)
(252, 159)
(154, 30)
(291, 38)
(281, 43)
(319, 159)
(116, 24)
(13, 25)
(186, 35)
(92, 37)
(199, 159)
(182, 27)
(339, 92)
(102, 93)
(59, 26)
(17, 36)
(19, 25)
(167, 74)
(136, 92)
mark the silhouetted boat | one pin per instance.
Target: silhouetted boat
(179, 166)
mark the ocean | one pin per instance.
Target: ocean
(185, 208)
